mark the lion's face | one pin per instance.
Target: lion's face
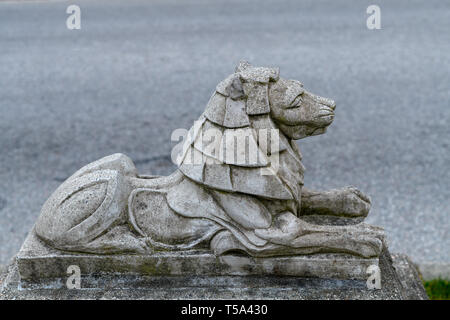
(298, 112)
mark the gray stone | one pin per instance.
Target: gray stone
(224, 200)
(257, 98)
(214, 221)
(37, 261)
(65, 127)
(409, 277)
(397, 283)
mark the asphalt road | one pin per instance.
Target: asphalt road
(137, 70)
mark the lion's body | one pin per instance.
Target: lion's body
(215, 201)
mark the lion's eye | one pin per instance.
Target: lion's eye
(297, 101)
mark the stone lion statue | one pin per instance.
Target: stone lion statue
(218, 203)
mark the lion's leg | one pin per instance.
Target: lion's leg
(287, 230)
(119, 239)
(345, 202)
(82, 213)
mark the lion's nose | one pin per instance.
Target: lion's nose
(332, 104)
(327, 102)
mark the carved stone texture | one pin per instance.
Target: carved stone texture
(250, 201)
(40, 272)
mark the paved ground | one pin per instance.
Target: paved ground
(139, 69)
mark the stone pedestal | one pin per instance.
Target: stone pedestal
(39, 272)
(36, 260)
(228, 223)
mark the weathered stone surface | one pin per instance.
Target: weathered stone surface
(37, 261)
(243, 213)
(409, 277)
(395, 286)
(257, 98)
(349, 202)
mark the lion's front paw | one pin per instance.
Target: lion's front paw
(354, 202)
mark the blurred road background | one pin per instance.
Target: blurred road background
(137, 70)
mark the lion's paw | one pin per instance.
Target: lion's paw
(354, 202)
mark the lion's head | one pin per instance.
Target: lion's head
(248, 125)
(255, 91)
(298, 112)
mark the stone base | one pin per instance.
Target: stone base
(39, 272)
(36, 260)
(399, 281)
